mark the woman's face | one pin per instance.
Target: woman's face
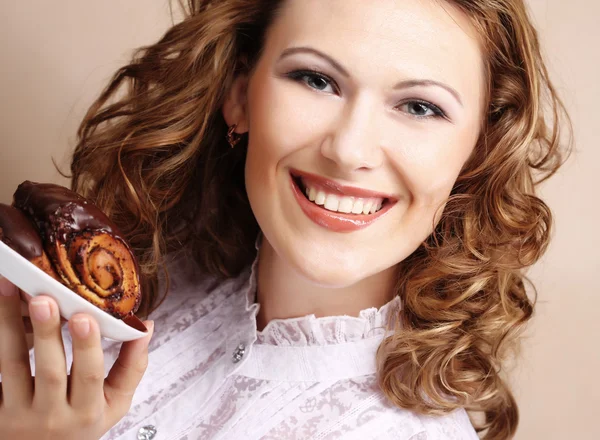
(360, 116)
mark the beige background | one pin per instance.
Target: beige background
(56, 56)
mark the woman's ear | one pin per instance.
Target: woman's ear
(235, 109)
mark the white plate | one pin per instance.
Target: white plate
(34, 281)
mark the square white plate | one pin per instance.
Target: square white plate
(34, 281)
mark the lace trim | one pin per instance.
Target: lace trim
(310, 330)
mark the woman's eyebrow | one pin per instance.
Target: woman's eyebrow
(304, 49)
(408, 83)
(405, 84)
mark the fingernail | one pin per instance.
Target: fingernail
(150, 327)
(40, 309)
(82, 327)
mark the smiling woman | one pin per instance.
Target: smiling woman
(342, 193)
(358, 117)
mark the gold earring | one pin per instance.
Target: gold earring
(232, 137)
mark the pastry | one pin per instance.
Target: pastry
(84, 248)
(17, 231)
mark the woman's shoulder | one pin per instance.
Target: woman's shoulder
(407, 425)
(453, 426)
(382, 420)
(357, 409)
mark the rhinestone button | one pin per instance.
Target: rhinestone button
(146, 432)
(238, 353)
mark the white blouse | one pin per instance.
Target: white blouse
(212, 375)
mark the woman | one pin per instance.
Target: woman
(342, 193)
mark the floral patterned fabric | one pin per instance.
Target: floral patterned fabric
(303, 378)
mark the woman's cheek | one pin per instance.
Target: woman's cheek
(430, 157)
(287, 116)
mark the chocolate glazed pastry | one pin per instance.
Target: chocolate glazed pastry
(85, 248)
(18, 233)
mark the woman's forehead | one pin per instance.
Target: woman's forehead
(414, 38)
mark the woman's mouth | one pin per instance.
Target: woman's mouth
(337, 203)
(337, 207)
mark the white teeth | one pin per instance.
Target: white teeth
(320, 198)
(332, 202)
(358, 207)
(346, 205)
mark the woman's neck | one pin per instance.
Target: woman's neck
(284, 293)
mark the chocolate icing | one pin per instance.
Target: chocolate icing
(60, 212)
(17, 231)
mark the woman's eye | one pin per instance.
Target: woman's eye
(421, 109)
(314, 80)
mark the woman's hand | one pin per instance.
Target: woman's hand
(25, 298)
(54, 405)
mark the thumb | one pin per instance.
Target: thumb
(128, 370)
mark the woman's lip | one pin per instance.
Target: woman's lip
(339, 189)
(335, 221)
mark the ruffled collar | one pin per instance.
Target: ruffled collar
(312, 331)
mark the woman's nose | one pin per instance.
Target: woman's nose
(354, 140)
